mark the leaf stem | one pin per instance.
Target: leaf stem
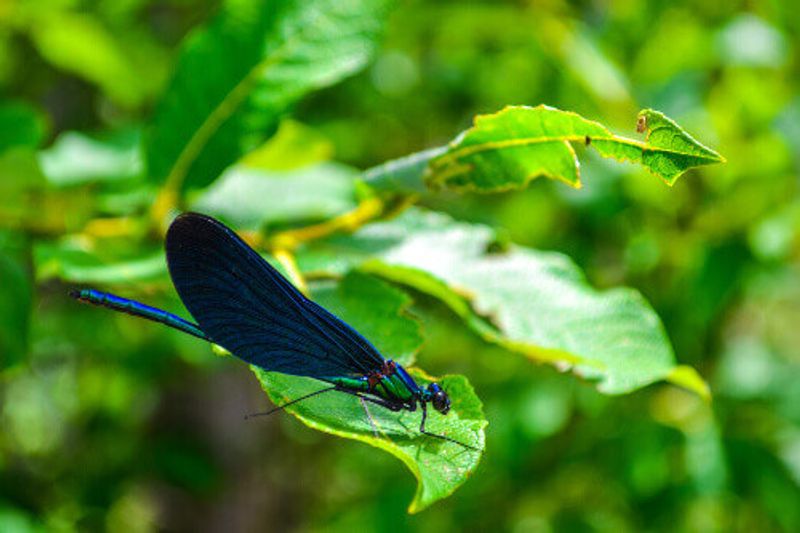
(165, 202)
(366, 211)
(111, 227)
(286, 259)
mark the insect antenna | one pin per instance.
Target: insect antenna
(287, 404)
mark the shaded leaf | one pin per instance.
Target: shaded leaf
(534, 303)
(403, 175)
(377, 310)
(235, 78)
(248, 198)
(508, 149)
(582, 59)
(20, 125)
(28, 201)
(15, 309)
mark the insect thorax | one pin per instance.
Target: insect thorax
(391, 388)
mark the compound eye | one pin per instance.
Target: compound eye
(441, 402)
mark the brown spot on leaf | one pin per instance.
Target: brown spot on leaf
(641, 124)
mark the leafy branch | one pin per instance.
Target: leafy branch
(537, 304)
(233, 82)
(508, 149)
(264, 57)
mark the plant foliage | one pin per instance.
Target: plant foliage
(388, 247)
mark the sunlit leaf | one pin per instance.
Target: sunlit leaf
(535, 303)
(76, 158)
(249, 198)
(508, 149)
(82, 262)
(236, 77)
(378, 311)
(748, 40)
(293, 146)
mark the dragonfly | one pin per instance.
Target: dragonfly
(243, 304)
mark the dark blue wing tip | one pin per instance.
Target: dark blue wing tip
(190, 221)
(193, 227)
(194, 216)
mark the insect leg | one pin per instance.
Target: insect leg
(369, 417)
(392, 406)
(287, 404)
(377, 401)
(436, 435)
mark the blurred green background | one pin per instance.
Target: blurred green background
(111, 423)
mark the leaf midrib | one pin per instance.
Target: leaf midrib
(224, 110)
(525, 141)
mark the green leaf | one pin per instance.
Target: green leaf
(403, 175)
(688, 378)
(668, 150)
(293, 146)
(534, 303)
(235, 78)
(77, 261)
(76, 158)
(249, 198)
(81, 44)
(28, 201)
(20, 125)
(378, 311)
(508, 149)
(15, 309)
(17, 520)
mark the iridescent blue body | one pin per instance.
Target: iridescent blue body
(141, 310)
(393, 384)
(243, 304)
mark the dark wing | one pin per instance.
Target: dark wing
(243, 304)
